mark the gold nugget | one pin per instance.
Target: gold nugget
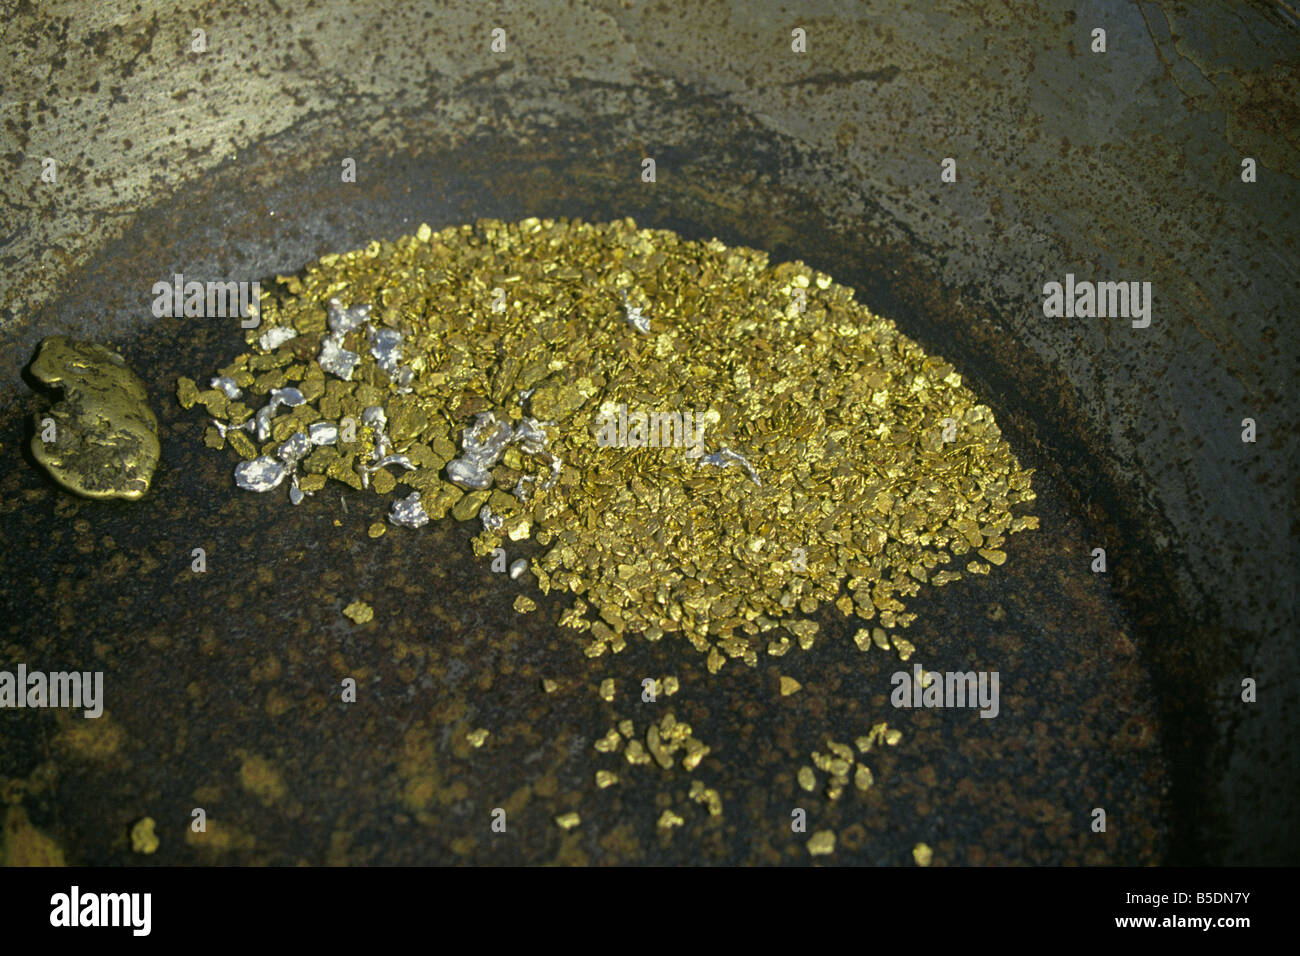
(101, 439)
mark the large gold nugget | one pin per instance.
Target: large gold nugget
(101, 440)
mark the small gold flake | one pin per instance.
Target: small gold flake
(377, 529)
(668, 820)
(862, 778)
(143, 838)
(790, 686)
(478, 737)
(821, 843)
(359, 611)
(607, 689)
(567, 821)
(707, 796)
(922, 854)
(549, 686)
(524, 604)
(805, 632)
(605, 778)
(807, 779)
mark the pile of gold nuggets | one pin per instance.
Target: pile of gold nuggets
(699, 443)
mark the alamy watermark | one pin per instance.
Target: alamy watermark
(74, 908)
(82, 690)
(1098, 300)
(619, 428)
(923, 688)
(208, 300)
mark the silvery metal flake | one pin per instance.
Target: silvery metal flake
(260, 474)
(485, 441)
(288, 396)
(634, 317)
(467, 473)
(518, 568)
(227, 385)
(337, 360)
(375, 418)
(483, 444)
(295, 448)
(392, 460)
(224, 427)
(531, 436)
(343, 319)
(491, 522)
(323, 433)
(724, 457)
(386, 347)
(557, 466)
(409, 512)
(296, 494)
(275, 337)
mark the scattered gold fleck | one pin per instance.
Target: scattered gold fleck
(668, 820)
(922, 854)
(822, 843)
(524, 604)
(707, 796)
(607, 689)
(477, 738)
(567, 821)
(359, 611)
(790, 686)
(260, 778)
(606, 778)
(548, 685)
(143, 838)
(807, 779)
(377, 529)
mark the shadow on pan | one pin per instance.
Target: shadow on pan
(223, 687)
